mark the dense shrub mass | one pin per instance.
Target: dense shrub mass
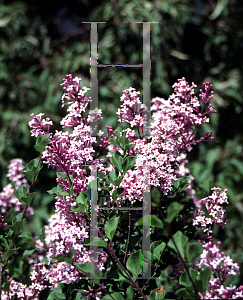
(141, 160)
(198, 40)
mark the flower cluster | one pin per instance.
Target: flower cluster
(67, 231)
(39, 126)
(172, 134)
(222, 267)
(71, 152)
(7, 198)
(215, 212)
(129, 111)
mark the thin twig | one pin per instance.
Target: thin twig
(136, 286)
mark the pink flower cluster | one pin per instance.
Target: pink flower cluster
(67, 231)
(171, 135)
(7, 198)
(70, 152)
(129, 111)
(24, 292)
(215, 212)
(222, 267)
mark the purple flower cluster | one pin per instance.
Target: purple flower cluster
(69, 152)
(171, 135)
(222, 267)
(129, 111)
(17, 179)
(215, 212)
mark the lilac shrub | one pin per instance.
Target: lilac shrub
(163, 147)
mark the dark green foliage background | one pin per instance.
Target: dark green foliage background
(200, 40)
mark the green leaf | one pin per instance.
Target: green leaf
(57, 293)
(157, 248)
(45, 260)
(28, 252)
(6, 286)
(115, 295)
(117, 162)
(193, 251)
(62, 175)
(134, 263)
(55, 191)
(101, 243)
(5, 255)
(13, 250)
(110, 228)
(41, 142)
(60, 258)
(116, 153)
(129, 147)
(123, 141)
(42, 235)
(6, 244)
(183, 183)
(16, 226)
(88, 269)
(32, 169)
(119, 131)
(65, 193)
(27, 200)
(34, 163)
(172, 211)
(156, 194)
(186, 294)
(180, 241)
(118, 181)
(113, 142)
(128, 163)
(201, 280)
(81, 208)
(83, 267)
(155, 222)
(185, 279)
(26, 237)
(130, 293)
(118, 275)
(81, 199)
(18, 217)
(21, 192)
(116, 193)
(113, 176)
(156, 295)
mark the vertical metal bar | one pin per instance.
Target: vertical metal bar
(93, 225)
(146, 72)
(146, 248)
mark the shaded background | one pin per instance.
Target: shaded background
(199, 40)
